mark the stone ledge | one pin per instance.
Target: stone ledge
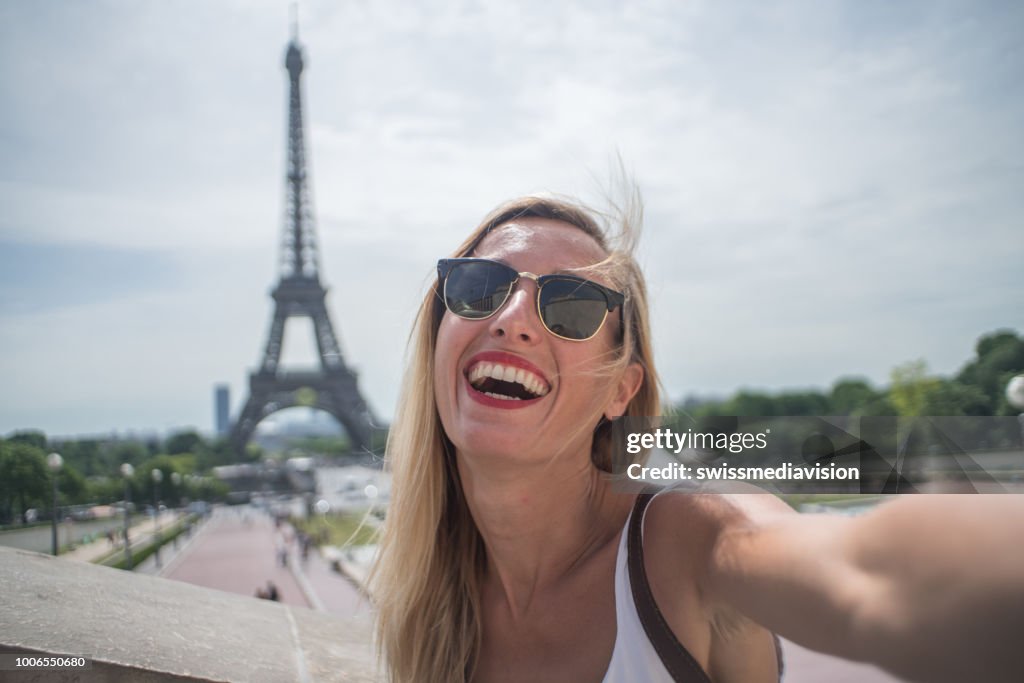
(147, 629)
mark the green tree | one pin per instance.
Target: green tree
(149, 490)
(209, 489)
(187, 441)
(912, 388)
(130, 452)
(24, 478)
(881, 405)
(949, 397)
(801, 403)
(750, 403)
(698, 410)
(32, 437)
(324, 445)
(999, 356)
(104, 489)
(85, 455)
(219, 452)
(851, 396)
(71, 483)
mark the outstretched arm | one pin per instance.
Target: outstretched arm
(928, 587)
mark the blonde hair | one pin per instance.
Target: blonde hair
(426, 581)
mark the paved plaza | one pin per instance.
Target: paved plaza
(237, 551)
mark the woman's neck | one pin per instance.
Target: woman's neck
(539, 522)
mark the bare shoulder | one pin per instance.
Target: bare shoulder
(694, 520)
(681, 533)
(685, 530)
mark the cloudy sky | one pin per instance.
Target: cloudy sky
(831, 187)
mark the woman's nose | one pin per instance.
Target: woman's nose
(517, 320)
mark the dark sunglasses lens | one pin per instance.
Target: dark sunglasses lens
(476, 289)
(571, 309)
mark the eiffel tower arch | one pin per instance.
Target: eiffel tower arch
(299, 293)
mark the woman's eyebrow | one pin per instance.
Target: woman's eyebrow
(506, 263)
(560, 271)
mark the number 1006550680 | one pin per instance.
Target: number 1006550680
(17, 662)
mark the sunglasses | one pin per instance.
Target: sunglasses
(570, 307)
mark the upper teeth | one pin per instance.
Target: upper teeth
(506, 373)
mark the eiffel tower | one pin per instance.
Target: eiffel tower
(299, 293)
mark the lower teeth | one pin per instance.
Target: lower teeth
(501, 396)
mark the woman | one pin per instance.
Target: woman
(507, 556)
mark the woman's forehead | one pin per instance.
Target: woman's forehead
(541, 238)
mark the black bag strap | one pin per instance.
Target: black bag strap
(678, 661)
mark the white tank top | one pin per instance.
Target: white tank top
(634, 659)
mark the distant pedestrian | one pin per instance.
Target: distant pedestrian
(282, 552)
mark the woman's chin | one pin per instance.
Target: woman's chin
(494, 444)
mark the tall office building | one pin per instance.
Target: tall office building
(222, 409)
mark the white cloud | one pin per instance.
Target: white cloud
(827, 184)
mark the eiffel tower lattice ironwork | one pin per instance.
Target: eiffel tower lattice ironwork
(299, 293)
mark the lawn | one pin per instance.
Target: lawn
(338, 530)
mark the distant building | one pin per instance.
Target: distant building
(222, 410)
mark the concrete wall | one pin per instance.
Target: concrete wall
(146, 629)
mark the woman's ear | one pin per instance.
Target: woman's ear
(629, 383)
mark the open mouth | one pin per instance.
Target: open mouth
(506, 382)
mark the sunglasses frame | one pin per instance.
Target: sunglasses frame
(612, 298)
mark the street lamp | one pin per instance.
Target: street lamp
(176, 480)
(158, 476)
(55, 462)
(127, 471)
(1015, 397)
